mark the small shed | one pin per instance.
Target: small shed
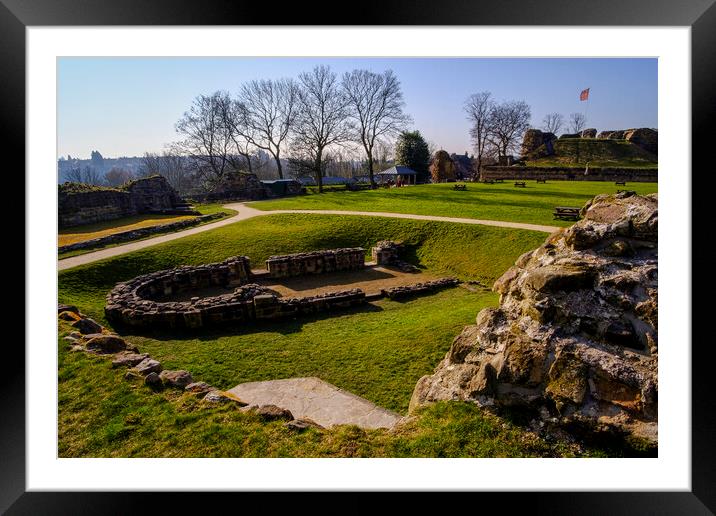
(398, 172)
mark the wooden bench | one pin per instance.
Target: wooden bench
(542, 181)
(459, 187)
(620, 183)
(566, 213)
(521, 184)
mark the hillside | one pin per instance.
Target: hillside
(598, 152)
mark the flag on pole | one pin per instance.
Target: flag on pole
(584, 95)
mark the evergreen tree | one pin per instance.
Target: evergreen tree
(411, 150)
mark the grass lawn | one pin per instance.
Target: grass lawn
(501, 201)
(103, 415)
(376, 352)
(479, 253)
(76, 234)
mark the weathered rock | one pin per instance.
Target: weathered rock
(69, 316)
(87, 325)
(589, 133)
(575, 336)
(217, 396)
(645, 138)
(128, 359)
(106, 344)
(272, 413)
(177, 379)
(302, 424)
(198, 387)
(148, 365)
(153, 380)
(67, 308)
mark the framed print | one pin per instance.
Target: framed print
(261, 276)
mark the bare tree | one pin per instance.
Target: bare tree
(577, 121)
(321, 119)
(479, 112)
(87, 175)
(266, 110)
(552, 122)
(508, 122)
(375, 108)
(117, 176)
(206, 137)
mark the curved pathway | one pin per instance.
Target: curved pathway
(246, 212)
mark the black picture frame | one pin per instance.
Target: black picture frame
(700, 15)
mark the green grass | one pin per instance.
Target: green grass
(103, 415)
(378, 352)
(127, 223)
(599, 152)
(501, 201)
(479, 253)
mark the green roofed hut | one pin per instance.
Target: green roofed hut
(398, 172)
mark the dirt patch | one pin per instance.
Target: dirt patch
(371, 280)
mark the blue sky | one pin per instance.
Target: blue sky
(128, 106)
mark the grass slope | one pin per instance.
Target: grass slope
(377, 354)
(103, 415)
(479, 253)
(76, 234)
(599, 152)
(502, 201)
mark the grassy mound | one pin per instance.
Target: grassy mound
(599, 152)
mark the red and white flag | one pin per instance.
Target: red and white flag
(584, 95)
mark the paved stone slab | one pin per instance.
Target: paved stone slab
(315, 399)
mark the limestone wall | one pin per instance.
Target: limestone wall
(316, 262)
(634, 175)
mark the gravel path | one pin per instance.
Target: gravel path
(246, 212)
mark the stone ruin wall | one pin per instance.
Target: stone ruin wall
(148, 195)
(140, 302)
(95, 206)
(633, 175)
(316, 262)
(145, 301)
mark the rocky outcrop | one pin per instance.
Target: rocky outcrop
(589, 133)
(537, 144)
(647, 139)
(574, 340)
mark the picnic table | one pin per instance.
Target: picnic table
(566, 212)
(499, 180)
(521, 184)
(459, 187)
(622, 183)
(489, 181)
